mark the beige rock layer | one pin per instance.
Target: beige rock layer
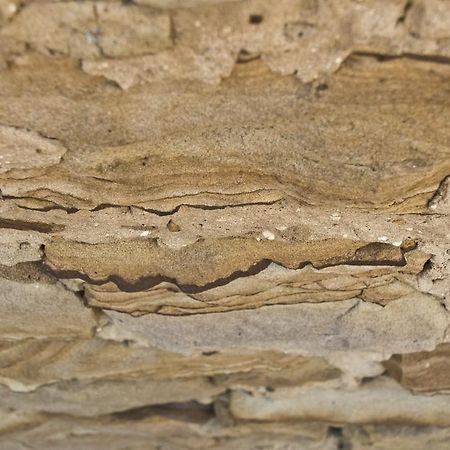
(422, 371)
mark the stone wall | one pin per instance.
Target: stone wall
(225, 224)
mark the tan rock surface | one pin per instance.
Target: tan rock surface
(224, 224)
(422, 371)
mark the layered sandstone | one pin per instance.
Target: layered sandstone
(224, 224)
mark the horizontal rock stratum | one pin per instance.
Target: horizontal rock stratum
(225, 224)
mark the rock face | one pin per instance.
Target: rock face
(225, 224)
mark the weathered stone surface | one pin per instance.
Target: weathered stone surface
(185, 427)
(105, 169)
(386, 437)
(224, 224)
(422, 371)
(374, 402)
(402, 326)
(34, 363)
(37, 311)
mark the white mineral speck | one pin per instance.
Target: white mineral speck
(383, 238)
(145, 233)
(90, 37)
(268, 235)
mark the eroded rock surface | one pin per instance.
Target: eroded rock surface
(224, 224)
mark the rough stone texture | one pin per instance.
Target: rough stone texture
(225, 224)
